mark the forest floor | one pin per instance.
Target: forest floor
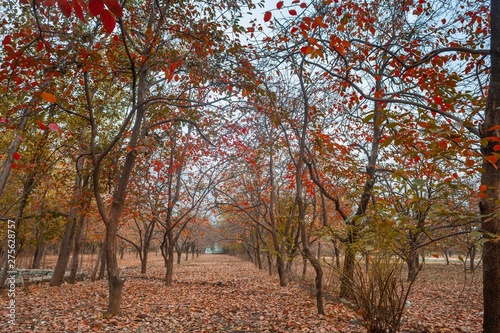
(219, 293)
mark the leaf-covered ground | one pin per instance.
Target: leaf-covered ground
(218, 293)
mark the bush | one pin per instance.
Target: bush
(379, 293)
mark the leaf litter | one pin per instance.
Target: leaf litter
(219, 293)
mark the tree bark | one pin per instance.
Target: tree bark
(76, 250)
(64, 250)
(490, 204)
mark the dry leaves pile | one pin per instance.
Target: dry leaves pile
(217, 293)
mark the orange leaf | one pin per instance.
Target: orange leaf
(307, 49)
(108, 21)
(267, 16)
(483, 188)
(48, 97)
(493, 128)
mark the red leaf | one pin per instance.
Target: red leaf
(7, 40)
(78, 11)
(96, 7)
(303, 5)
(279, 5)
(16, 156)
(41, 125)
(295, 1)
(114, 7)
(267, 16)
(292, 12)
(54, 127)
(438, 100)
(496, 147)
(483, 188)
(39, 47)
(65, 7)
(108, 21)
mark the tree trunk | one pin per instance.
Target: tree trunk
(37, 257)
(282, 271)
(318, 280)
(472, 255)
(304, 268)
(257, 253)
(347, 271)
(115, 282)
(269, 263)
(179, 256)
(76, 250)
(64, 250)
(27, 188)
(446, 257)
(144, 261)
(14, 146)
(169, 265)
(490, 178)
(413, 264)
(98, 260)
(102, 267)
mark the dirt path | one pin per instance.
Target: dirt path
(212, 293)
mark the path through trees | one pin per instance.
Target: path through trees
(219, 293)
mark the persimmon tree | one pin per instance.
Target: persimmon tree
(163, 55)
(417, 72)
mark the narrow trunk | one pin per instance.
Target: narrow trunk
(115, 282)
(257, 251)
(269, 263)
(144, 261)
(64, 250)
(76, 250)
(304, 268)
(169, 265)
(14, 146)
(318, 280)
(28, 186)
(472, 256)
(179, 256)
(38, 255)
(98, 260)
(446, 257)
(102, 264)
